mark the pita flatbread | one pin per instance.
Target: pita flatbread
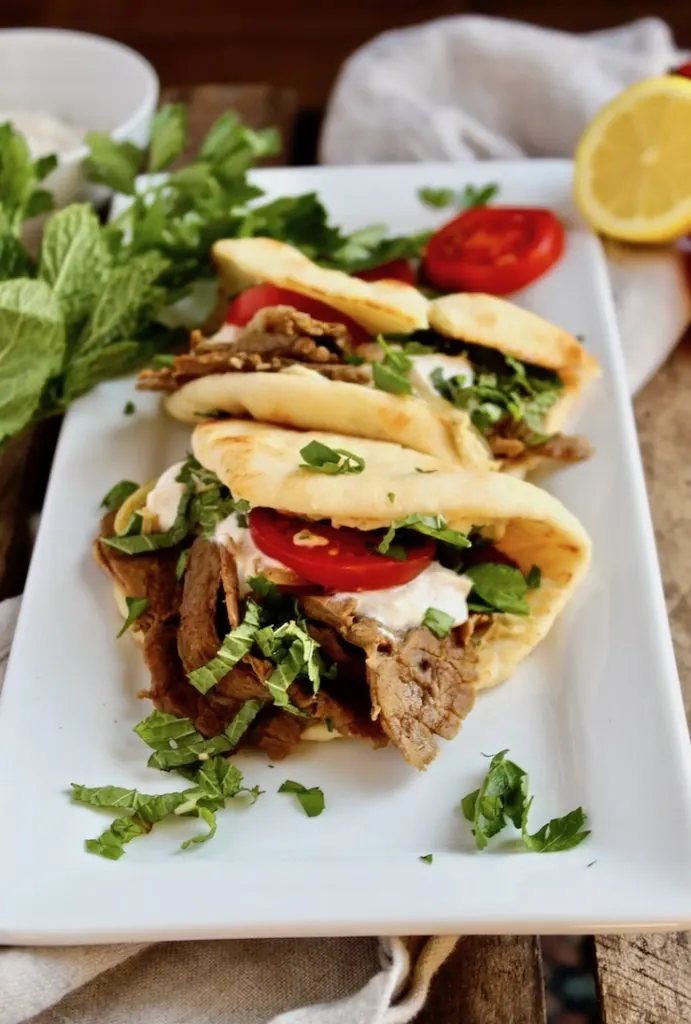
(261, 464)
(300, 398)
(380, 306)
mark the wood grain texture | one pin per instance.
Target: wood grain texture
(646, 979)
(14, 532)
(301, 45)
(488, 980)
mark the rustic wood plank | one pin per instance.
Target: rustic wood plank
(14, 532)
(646, 979)
(488, 980)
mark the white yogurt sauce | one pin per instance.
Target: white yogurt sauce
(44, 133)
(451, 366)
(164, 499)
(401, 608)
(250, 561)
(225, 335)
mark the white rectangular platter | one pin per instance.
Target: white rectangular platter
(594, 715)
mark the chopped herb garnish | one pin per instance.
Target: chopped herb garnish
(162, 361)
(354, 360)
(118, 494)
(387, 379)
(501, 588)
(312, 800)
(431, 526)
(391, 496)
(534, 577)
(503, 798)
(235, 646)
(130, 407)
(329, 724)
(262, 586)
(469, 197)
(181, 564)
(136, 606)
(139, 543)
(428, 858)
(438, 622)
(320, 458)
(176, 742)
(436, 197)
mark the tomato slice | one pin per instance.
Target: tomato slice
(684, 70)
(245, 305)
(345, 561)
(495, 249)
(394, 270)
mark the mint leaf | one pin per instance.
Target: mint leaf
(32, 344)
(438, 622)
(242, 721)
(320, 458)
(534, 577)
(480, 196)
(74, 260)
(235, 646)
(87, 370)
(311, 800)
(111, 843)
(295, 653)
(233, 147)
(111, 163)
(118, 493)
(168, 136)
(176, 742)
(499, 587)
(503, 798)
(428, 858)
(181, 564)
(436, 197)
(430, 526)
(14, 259)
(136, 606)
(262, 586)
(20, 197)
(387, 379)
(139, 543)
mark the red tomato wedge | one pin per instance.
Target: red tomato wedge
(244, 306)
(345, 560)
(494, 249)
(684, 70)
(394, 270)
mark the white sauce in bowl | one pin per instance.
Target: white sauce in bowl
(44, 132)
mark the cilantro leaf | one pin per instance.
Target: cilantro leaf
(311, 800)
(431, 526)
(235, 646)
(438, 622)
(499, 587)
(503, 797)
(168, 136)
(118, 493)
(32, 345)
(136, 606)
(319, 458)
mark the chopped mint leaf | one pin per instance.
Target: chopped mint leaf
(428, 858)
(438, 622)
(500, 587)
(503, 797)
(136, 606)
(431, 526)
(387, 379)
(118, 494)
(161, 361)
(168, 136)
(436, 197)
(176, 742)
(479, 196)
(130, 408)
(320, 458)
(391, 496)
(235, 646)
(534, 577)
(329, 724)
(140, 543)
(262, 586)
(354, 360)
(312, 800)
(470, 197)
(181, 564)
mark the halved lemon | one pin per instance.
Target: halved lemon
(633, 163)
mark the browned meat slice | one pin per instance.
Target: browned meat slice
(278, 734)
(151, 576)
(229, 579)
(420, 686)
(475, 625)
(275, 339)
(507, 443)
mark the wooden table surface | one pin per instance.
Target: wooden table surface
(642, 979)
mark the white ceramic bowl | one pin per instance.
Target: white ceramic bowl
(87, 80)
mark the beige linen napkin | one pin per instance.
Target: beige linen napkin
(475, 88)
(268, 981)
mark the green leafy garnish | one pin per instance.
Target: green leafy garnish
(262, 586)
(428, 858)
(438, 622)
(501, 588)
(503, 798)
(469, 197)
(118, 494)
(431, 526)
(168, 136)
(504, 389)
(387, 379)
(235, 646)
(181, 564)
(176, 742)
(161, 361)
(20, 177)
(391, 497)
(136, 606)
(311, 800)
(295, 653)
(129, 408)
(534, 577)
(140, 543)
(320, 458)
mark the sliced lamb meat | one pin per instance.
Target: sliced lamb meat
(420, 686)
(278, 734)
(508, 442)
(229, 579)
(151, 576)
(275, 339)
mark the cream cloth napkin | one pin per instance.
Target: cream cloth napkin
(475, 88)
(268, 981)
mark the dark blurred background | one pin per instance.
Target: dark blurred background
(298, 44)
